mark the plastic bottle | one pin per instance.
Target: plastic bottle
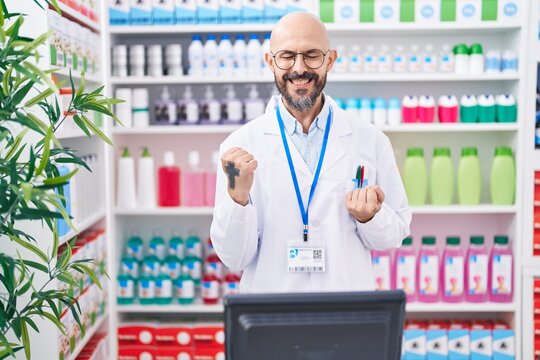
(210, 108)
(126, 289)
(400, 60)
(415, 176)
(493, 61)
(429, 60)
(193, 180)
(130, 266)
(253, 56)
(176, 245)
(428, 271)
(169, 181)
(394, 112)
(172, 266)
(151, 266)
(453, 271)
(446, 59)
(193, 267)
(146, 186)
(370, 60)
(441, 177)
(137, 57)
(379, 112)
(165, 109)
(126, 181)
(476, 271)
(366, 113)
(141, 116)
(506, 108)
(210, 181)
(157, 245)
(502, 271)
(193, 247)
(233, 107)
(265, 47)
(385, 60)
(135, 246)
(173, 60)
(214, 266)
(468, 110)
(461, 59)
(356, 62)
(196, 56)
(469, 177)
(509, 61)
(341, 65)
(382, 270)
(486, 108)
(146, 290)
(211, 57)
(155, 63)
(254, 105)
(352, 107)
(476, 59)
(503, 177)
(189, 108)
(225, 56)
(414, 65)
(230, 285)
(426, 109)
(409, 109)
(405, 269)
(210, 289)
(164, 289)
(240, 56)
(448, 108)
(185, 289)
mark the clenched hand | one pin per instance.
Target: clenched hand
(239, 167)
(364, 203)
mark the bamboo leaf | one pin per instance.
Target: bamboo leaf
(16, 144)
(55, 5)
(81, 125)
(25, 339)
(52, 319)
(42, 75)
(96, 130)
(60, 179)
(36, 265)
(29, 246)
(46, 151)
(90, 273)
(37, 41)
(6, 80)
(25, 287)
(56, 242)
(38, 98)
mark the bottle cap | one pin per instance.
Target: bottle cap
(211, 37)
(461, 49)
(407, 241)
(253, 37)
(196, 37)
(477, 240)
(240, 37)
(452, 240)
(379, 103)
(469, 151)
(503, 151)
(476, 49)
(428, 240)
(168, 158)
(501, 240)
(415, 152)
(194, 159)
(441, 151)
(365, 103)
(145, 152)
(125, 152)
(225, 37)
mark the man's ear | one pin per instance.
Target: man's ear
(269, 59)
(331, 57)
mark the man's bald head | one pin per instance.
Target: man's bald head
(300, 28)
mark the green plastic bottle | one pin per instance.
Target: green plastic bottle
(146, 290)
(193, 267)
(442, 177)
(126, 289)
(135, 246)
(172, 266)
(151, 266)
(503, 177)
(415, 176)
(185, 289)
(130, 266)
(469, 182)
(164, 289)
(176, 245)
(193, 247)
(157, 245)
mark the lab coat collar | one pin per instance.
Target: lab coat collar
(292, 125)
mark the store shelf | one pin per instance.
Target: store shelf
(181, 129)
(176, 211)
(83, 226)
(536, 160)
(63, 73)
(177, 80)
(332, 28)
(87, 336)
(174, 308)
(463, 209)
(457, 127)
(78, 17)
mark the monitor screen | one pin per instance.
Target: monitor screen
(315, 326)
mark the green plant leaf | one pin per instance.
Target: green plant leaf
(37, 214)
(38, 98)
(37, 41)
(81, 125)
(55, 242)
(16, 143)
(36, 265)
(91, 273)
(73, 160)
(31, 166)
(46, 151)
(96, 130)
(60, 179)
(6, 81)
(25, 339)
(26, 286)
(52, 319)
(21, 93)
(55, 5)
(42, 75)
(29, 246)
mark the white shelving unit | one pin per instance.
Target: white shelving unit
(83, 226)
(73, 14)
(88, 335)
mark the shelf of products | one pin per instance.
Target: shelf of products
(87, 21)
(63, 73)
(83, 226)
(462, 209)
(87, 336)
(172, 211)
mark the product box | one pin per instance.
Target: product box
(209, 335)
(174, 353)
(448, 10)
(427, 11)
(509, 10)
(230, 11)
(387, 11)
(252, 11)
(459, 341)
(274, 10)
(173, 336)
(468, 11)
(481, 342)
(163, 12)
(208, 11)
(136, 334)
(136, 352)
(346, 11)
(437, 341)
(141, 12)
(206, 353)
(300, 5)
(415, 342)
(503, 343)
(185, 11)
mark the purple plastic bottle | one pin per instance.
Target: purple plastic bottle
(428, 271)
(405, 269)
(476, 271)
(501, 271)
(453, 271)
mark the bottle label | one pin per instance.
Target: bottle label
(135, 251)
(194, 249)
(210, 290)
(230, 288)
(172, 269)
(147, 289)
(177, 250)
(501, 283)
(214, 268)
(126, 289)
(453, 279)
(164, 289)
(381, 271)
(158, 250)
(477, 277)
(151, 268)
(406, 274)
(130, 268)
(193, 269)
(185, 289)
(429, 275)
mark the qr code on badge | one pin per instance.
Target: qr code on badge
(317, 254)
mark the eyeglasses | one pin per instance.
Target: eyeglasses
(285, 59)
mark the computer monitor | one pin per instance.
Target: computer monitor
(315, 326)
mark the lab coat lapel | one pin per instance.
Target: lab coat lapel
(335, 150)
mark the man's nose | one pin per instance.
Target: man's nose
(299, 64)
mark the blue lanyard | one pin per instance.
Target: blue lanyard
(304, 211)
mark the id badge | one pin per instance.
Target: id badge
(305, 259)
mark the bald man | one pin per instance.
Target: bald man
(305, 191)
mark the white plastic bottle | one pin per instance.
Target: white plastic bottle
(461, 59)
(342, 62)
(211, 60)
(190, 107)
(264, 49)
(400, 60)
(385, 60)
(476, 59)
(414, 63)
(446, 59)
(253, 54)
(356, 62)
(146, 187)
(239, 53)
(429, 60)
(379, 112)
(165, 109)
(210, 108)
(370, 60)
(126, 181)
(225, 56)
(254, 105)
(366, 115)
(196, 56)
(233, 106)
(394, 112)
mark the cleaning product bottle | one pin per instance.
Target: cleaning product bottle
(476, 271)
(453, 271)
(476, 59)
(126, 289)
(428, 275)
(351, 106)
(210, 181)
(232, 106)
(486, 108)
(146, 290)
(415, 176)
(502, 271)
(193, 180)
(151, 266)
(356, 62)
(172, 266)
(442, 177)
(240, 57)
(135, 247)
(169, 181)
(157, 245)
(426, 109)
(176, 245)
(210, 289)
(461, 59)
(210, 108)
(265, 47)
(469, 177)
(214, 266)
(382, 270)
(400, 60)
(164, 289)
(468, 111)
(446, 60)
(366, 113)
(165, 109)
(193, 267)
(130, 266)
(448, 109)
(413, 60)
(193, 246)
(429, 60)
(211, 59)
(506, 109)
(341, 65)
(254, 105)
(189, 108)
(146, 187)
(385, 60)
(196, 56)
(185, 289)
(379, 112)
(126, 181)
(409, 109)
(394, 112)
(225, 56)
(230, 284)
(405, 269)
(253, 56)
(503, 177)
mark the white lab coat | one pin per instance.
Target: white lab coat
(254, 238)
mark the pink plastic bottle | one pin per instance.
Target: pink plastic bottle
(404, 276)
(409, 109)
(476, 271)
(169, 182)
(501, 271)
(448, 109)
(426, 109)
(382, 269)
(210, 182)
(194, 181)
(453, 271)
(428, 272)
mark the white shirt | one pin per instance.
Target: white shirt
(254, 238)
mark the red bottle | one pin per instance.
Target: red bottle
(169, 182)
(231, 284)
(210, 289)
(214, 266)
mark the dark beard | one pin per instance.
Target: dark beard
(304, 104)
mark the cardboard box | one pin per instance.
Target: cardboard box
(503, 342)
(481, 342)
(415, 342)
(119, 12)
(208, 336)
(185, 11)
(179, 336)
(136, 334)
(141, 12)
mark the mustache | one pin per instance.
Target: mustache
(305, 75)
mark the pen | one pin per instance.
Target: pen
(359, 176)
